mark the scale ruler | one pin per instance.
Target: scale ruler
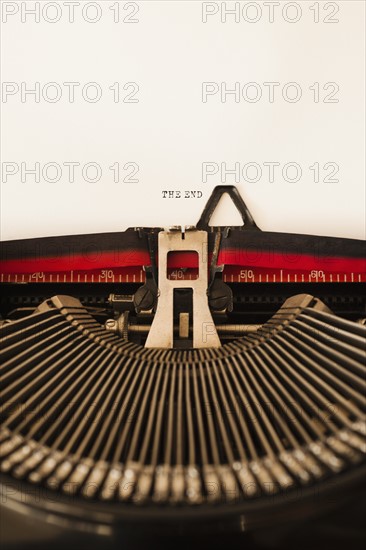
(231, 274)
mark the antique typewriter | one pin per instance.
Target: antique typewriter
(202, 381)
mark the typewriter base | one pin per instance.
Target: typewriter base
(342, 528)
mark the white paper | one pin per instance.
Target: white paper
(172, 131)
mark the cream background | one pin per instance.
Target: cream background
(170, 132)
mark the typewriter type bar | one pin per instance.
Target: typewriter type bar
(88, 413)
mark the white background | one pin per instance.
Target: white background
(169, 52)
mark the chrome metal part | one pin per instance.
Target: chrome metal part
(204, 330)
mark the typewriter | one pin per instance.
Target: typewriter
(202, 381)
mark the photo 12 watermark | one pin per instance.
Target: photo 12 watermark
(269, 92)
(70, 12)
(270, 172)
(70, 172)
(69, 92)
(270, 12)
